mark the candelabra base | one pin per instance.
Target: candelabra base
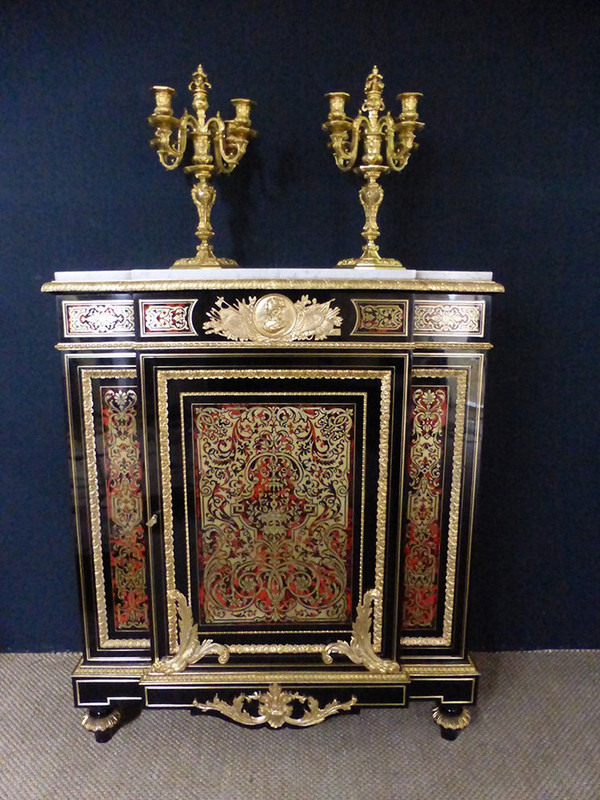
(370, 262)
(204, 262)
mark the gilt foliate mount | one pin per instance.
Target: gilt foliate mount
(217, 147)
(191, 649)
(385, 144)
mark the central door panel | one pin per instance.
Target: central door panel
(277, 486)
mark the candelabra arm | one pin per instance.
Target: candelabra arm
(397, 152)
(170, 153)
(228, 147)
(346, 150)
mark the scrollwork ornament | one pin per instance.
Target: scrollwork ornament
(360, 649)
(190, 650)
(276, 707)
(274, 318)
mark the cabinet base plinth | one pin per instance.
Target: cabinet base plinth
(274, 698)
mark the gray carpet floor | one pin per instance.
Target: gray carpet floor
(535, 735)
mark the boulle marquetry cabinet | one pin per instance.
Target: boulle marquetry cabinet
(274, 477)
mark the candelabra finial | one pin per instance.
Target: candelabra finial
(218, 146)
(396, 137)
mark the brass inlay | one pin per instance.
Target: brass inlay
(113, 318)
(445, 640)
(376, 131)
(275, 707)
(274, 317)
(127, 287)
(91, 464)
(380, 317)
(360, 650)
(457, 317)
(164, 376)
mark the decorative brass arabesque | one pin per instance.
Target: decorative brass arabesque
(190, 649)
(228, 139)
(276, 708)
(395, 136)
(360, 648)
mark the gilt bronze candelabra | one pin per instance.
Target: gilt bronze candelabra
(218, 146)
(395, 136)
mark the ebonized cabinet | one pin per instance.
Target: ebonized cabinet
(274, 477)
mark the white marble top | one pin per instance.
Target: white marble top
(267, 273)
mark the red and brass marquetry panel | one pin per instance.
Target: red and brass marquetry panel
(167, 318)
(110, 404)
(434, 470)
(422, 533)
(274, 489)
(380, 317)
(124, 506)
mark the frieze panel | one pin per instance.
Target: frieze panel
(456, 317)
(98, 319)
(167, 317)
(380, 317)
(272, 318)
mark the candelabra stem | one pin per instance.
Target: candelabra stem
(370, 196)
(204, 195)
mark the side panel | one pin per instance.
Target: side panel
(104, 430)
(445, 421)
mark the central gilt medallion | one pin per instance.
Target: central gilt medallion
(274, 486)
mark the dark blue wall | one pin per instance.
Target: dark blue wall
(507, 179)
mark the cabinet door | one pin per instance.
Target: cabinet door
(103, 403)
(276, 480)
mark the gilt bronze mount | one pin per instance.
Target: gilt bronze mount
(218, 146)
(396, 137)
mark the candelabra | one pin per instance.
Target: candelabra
(395, 136)
(228, 140)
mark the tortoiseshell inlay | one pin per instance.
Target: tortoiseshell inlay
(124, 502)
(429, 419)
(274, 487)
